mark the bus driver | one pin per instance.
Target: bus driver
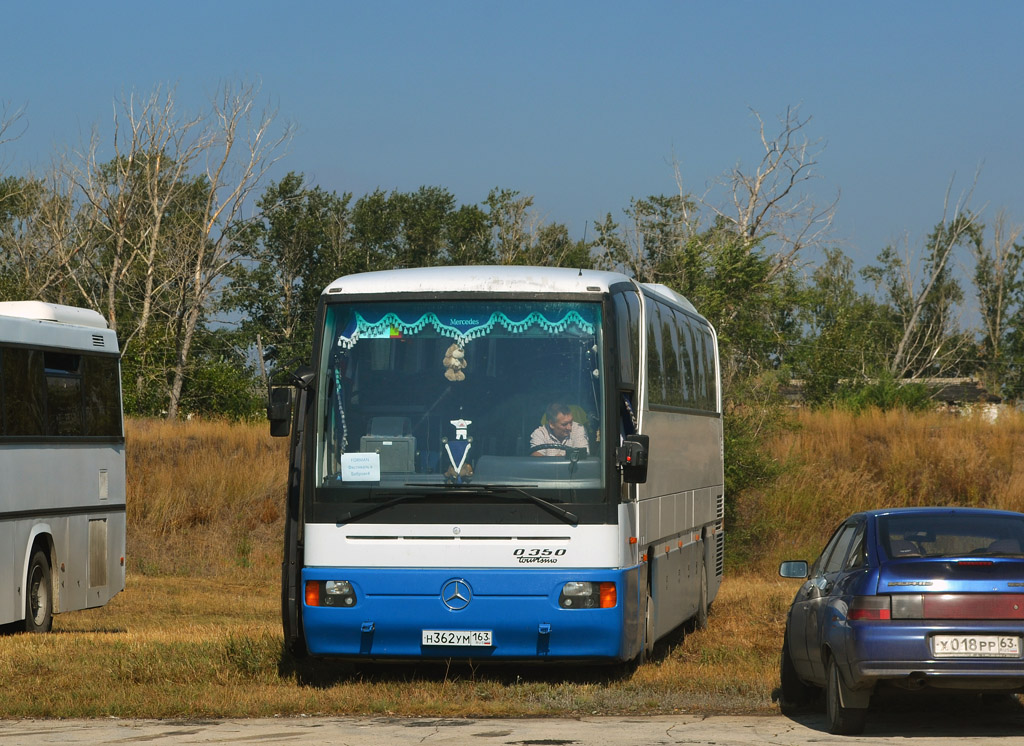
(558, 430)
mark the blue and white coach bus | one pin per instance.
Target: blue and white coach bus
(501, 463)
(62, 475)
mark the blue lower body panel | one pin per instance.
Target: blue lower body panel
(520, 609)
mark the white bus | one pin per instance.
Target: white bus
(501, 463)
(62, 491)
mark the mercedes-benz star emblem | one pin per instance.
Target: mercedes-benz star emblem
(456, 594)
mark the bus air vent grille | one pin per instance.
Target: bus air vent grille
(97, 340)
(719, 552)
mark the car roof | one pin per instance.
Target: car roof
(938, 510)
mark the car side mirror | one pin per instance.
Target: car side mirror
(631, 458)
(794, 569)
(279, 410)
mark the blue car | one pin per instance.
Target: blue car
(916, 598)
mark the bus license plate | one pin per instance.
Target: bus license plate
(474, 638)
(976, 646)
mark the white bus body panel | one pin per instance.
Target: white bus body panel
(472, 545)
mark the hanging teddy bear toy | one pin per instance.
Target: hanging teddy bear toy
(454, 363)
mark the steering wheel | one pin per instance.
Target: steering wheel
(570, 451)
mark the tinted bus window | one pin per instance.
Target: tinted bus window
(24, 395)
(670, 359)
(685, 359)
(709, 346)
(64, 414)
(627, 320)
(102, 394)
(655, 376)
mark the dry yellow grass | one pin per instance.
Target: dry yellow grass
(840, 463)
(203, 497)
(182, 647)
(197, 632)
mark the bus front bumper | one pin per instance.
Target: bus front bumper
(499, 614)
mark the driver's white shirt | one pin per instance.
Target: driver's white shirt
(542, 435)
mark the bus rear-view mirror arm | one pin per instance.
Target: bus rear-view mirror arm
(631, 458)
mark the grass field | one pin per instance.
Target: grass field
(186, 647)
(196, 633)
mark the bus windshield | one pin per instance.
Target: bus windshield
(463, 394)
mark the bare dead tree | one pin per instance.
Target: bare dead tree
(925, 341)
(12, 124)
(997, 272)
(773, 200)
(238, 149)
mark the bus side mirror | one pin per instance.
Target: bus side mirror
(279, 410)
(631, 458)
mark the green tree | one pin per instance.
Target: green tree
(299, 247)
(927, 340)
(844, 333)
(997, 282)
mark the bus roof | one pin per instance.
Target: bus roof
(477, 278)
(38, 311)
(493, 279)
(33, 322)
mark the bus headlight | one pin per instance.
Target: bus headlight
(330, 593)
(578, 594)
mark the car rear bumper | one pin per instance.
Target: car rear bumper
(901, 650)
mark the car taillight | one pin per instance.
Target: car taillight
(870, 609)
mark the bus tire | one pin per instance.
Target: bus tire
(38, 594)
(647, 653)
(700, 621)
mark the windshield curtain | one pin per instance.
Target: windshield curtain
(418, 393)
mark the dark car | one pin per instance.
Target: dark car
(916, 598)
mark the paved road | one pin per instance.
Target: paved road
(923, 729)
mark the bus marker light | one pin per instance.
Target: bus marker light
(632, 540)
(608, 596)
(312, 593)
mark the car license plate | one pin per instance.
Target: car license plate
(976, 646)
(474, 638)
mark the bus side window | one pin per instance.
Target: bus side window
(685, 358)
(710, 373)
(627, 319)
(24, 394)
(655, 375)
(670, 358)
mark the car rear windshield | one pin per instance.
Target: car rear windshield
(951, 534)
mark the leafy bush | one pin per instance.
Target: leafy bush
(885, 393)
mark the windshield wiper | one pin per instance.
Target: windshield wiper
(438, 490)
(398, 497)
(503, 490)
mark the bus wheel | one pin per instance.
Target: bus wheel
(648, 650)
(38, 594)
(700, 621)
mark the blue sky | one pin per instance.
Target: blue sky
(581, 104)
